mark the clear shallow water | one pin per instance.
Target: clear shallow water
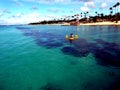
(40, 58)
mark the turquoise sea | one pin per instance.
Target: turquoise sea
(40, 58)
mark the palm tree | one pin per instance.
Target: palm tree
(95, 18)
(85, 13)
(102, 16)
(110, 9)
(111, 12)
(72, 17)
(116, 5)
(96, 13)
(81, 15)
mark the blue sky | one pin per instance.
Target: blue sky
(26, 11)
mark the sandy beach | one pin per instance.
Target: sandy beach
(102, 23)
(91, 24)
(94, 24)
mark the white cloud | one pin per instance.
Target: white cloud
(34, 8)
(87, 0)
(55, 1)
(118, 7)
(89, 4)
(103, 5)
(17, 2)
(3, 22)
(54, 10)
(84, 9)
(20, 18)
(59, 1)
(24, 19)
(106, 1)
(6, 11)
(1, 14)
(19, 14)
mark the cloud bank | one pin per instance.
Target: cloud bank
(34, 8)
(87, 5)
(103, 5)
(21, 18)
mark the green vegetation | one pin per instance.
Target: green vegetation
(100, 17)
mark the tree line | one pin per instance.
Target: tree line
(113, 16)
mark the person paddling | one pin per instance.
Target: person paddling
(71, 35)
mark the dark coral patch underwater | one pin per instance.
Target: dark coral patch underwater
(73, 51)
(45, 39)
(109, 54)
(106, 53)
(50, 86)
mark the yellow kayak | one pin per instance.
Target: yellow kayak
(71, 38)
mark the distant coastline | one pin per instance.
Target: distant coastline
(99, 19)
(103, 23)
(91, 24)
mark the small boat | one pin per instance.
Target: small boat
(71, 38)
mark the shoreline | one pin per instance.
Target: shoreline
(107, 23)
(92, 24)
(102, 23)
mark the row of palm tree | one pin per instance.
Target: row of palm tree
(115, 7)
(83, 16)
(99, 15)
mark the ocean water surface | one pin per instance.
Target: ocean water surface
(40, 58)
